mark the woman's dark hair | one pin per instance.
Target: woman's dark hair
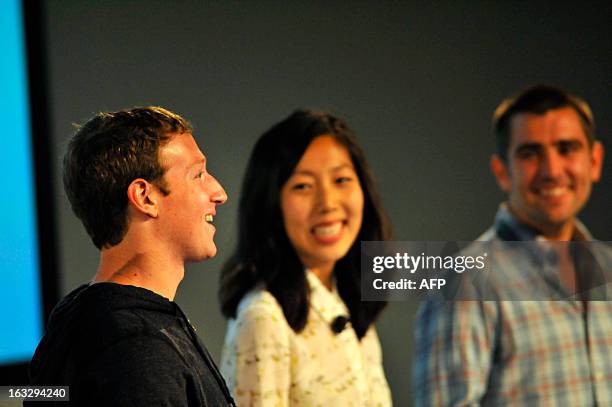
(264, 254)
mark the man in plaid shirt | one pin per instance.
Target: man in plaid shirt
(537, 352)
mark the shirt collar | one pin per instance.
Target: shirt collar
(327, 304)
(506, 222)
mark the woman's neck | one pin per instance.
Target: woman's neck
(325, 275)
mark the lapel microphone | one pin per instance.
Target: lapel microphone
(339, 323)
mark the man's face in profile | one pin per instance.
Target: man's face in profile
(187, 212)
(550, 167)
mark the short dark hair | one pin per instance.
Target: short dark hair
(105, 155)
(538, 99)
(264, 254)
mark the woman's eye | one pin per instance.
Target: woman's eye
(300, 187)
(343, 180)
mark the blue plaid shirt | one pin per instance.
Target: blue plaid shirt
(528, 353)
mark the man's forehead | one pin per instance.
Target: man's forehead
(182, 149)
(551, 127)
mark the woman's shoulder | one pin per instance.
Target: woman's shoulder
(259, 316)
(258, 301)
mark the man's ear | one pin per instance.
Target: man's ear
(500, 171)
(143, 197)
(597, 157)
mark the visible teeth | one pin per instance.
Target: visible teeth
(328, 230)
(558, 191)
(208, 218)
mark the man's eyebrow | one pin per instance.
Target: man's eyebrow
(535, 145)
(528, 146)
(573, 141)
(201, 160)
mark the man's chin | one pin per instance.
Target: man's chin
(553, 220)
(557, 216)
(212, 252)
(544, 218)
(208, 254)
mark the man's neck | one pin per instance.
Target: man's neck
(559, 232)
(124, 265)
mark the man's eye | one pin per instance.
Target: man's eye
(343, 180)
(526, 154)
(567, 148)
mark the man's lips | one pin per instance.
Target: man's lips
(552, 192)
(209, 218)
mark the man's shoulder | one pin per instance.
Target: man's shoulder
(153, 350)
(488, 235)
(86, 334)
(480, 245)
(100, 315)
(118, 311)
(140, 369)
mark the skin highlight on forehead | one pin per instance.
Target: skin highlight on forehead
(188, 153)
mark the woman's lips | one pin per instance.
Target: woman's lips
(328, 232)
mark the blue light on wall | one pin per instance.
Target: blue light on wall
(20, 291)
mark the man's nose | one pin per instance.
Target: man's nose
(218, 196)
(551, 165)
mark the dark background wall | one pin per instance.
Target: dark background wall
(416, 80)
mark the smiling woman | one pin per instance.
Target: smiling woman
(298, 332)
(322, 205)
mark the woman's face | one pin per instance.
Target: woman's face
(322, 204)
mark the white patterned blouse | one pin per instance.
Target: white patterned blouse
(265, 363)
